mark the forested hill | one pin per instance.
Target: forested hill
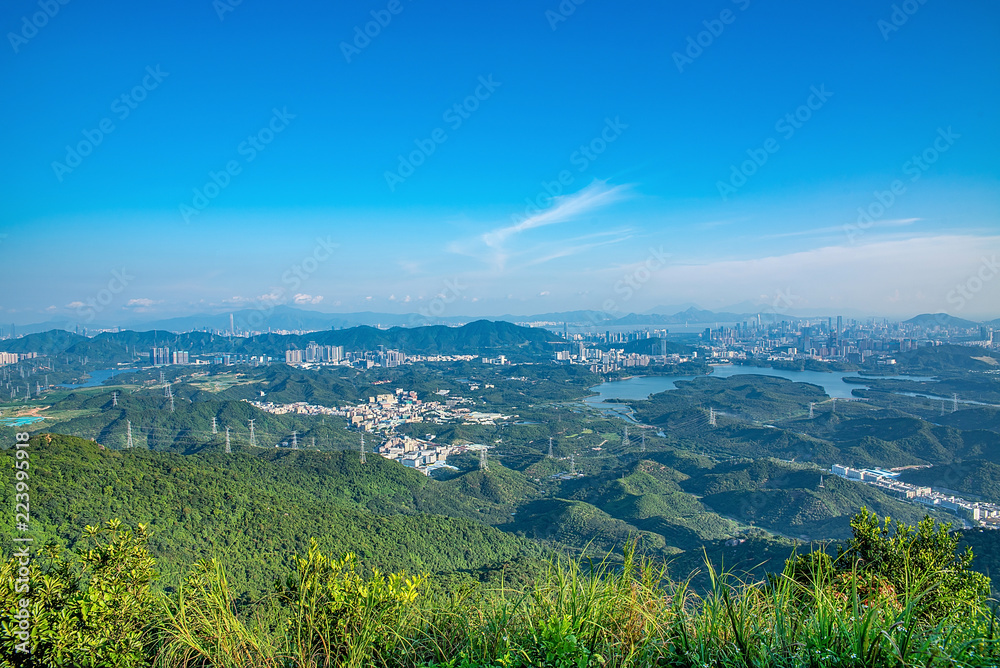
(255, 512)
(482, 337)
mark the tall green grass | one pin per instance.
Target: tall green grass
(580, 614)
(822, 611)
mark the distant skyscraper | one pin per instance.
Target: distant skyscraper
(232, 327)
(159, 356)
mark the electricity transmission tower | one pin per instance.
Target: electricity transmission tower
(483, 464)
(550, 447)
(295, 440)
(625, 443)
(128, 443)
(253, 438)
(954, 402)
(229, 450)
(711, 416)
(572, 464)
(362, 448)
(812, 405)
(114, 400)
(215, 428)
(642, 445)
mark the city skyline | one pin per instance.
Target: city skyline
(836, 159)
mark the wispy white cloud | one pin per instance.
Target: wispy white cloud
(494, 246)
(841, 229)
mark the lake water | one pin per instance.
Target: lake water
(641, 387)
(19, 421)
(96, 378)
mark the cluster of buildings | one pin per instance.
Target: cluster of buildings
(381, 414)
(982, 514)
(316, 355)
(615, 359)
(163, 357)
(419, 454)
(385, 412)
(166, 357)
(14, 358)
(854, 341)
(837, 339)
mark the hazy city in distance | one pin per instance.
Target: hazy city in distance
(438, 334)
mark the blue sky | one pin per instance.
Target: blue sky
(651, 115)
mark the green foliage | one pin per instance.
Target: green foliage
(253, 511)
(575, 614)
(343, 616)
(92, 610)
(923, 556)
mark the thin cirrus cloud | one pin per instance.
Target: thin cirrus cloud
(497, 246)
(843, 229)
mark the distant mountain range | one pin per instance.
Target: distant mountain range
(481, 337)
(930, 320)
(288, 318)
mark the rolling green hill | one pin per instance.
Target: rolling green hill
(255, 512)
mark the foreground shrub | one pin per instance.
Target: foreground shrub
(91, 610)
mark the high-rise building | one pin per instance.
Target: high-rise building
(293, 357)
(180, 357)
(159, 356)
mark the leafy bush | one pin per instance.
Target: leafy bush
(91, 610)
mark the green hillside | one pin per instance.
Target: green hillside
(254, 511)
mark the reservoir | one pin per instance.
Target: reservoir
(641, 387)
(97, 378)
